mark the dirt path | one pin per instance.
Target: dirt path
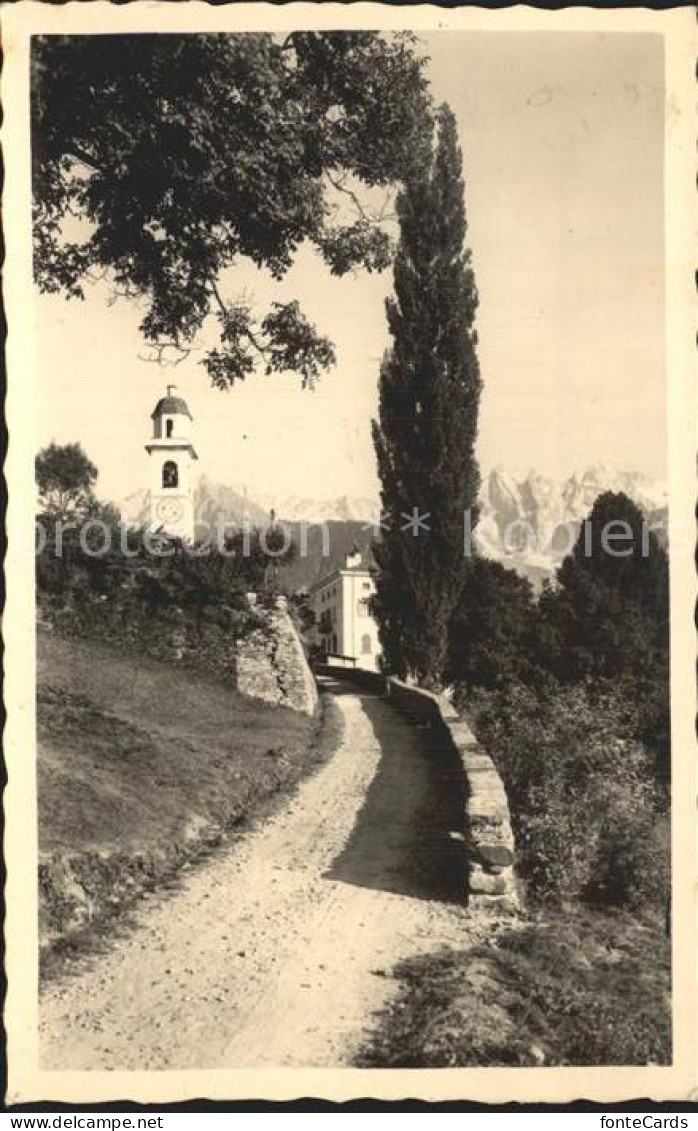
(279, 951)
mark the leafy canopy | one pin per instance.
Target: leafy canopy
(65, 476)
(161, 161)
(609, 612)
(492, 630)
(608, 617)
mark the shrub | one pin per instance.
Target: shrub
(172, 603)
(589, 820)
(631, 860)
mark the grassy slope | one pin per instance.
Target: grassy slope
(576, 988)
(142, 765)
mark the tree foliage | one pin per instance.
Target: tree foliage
(493, 627)
(164, 160)
(425, 435)
(65, 477)
(608, 614)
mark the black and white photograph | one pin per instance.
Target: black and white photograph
(347, 468)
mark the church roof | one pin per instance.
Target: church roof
(170, 406)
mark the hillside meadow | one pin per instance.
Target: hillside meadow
(143, 768)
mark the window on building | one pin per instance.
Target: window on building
(169, 429)
(170, 474)
(364, 610)
(366, 644)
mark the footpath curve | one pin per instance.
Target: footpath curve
(278, 951)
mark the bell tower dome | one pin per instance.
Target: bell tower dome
(172, 454)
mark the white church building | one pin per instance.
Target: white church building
(345, 628)
(172, 455)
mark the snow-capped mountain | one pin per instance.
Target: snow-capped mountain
(235, 505)
(527, 522)
(211, 500)
(530, 523)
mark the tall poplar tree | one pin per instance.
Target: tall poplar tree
(427, 426)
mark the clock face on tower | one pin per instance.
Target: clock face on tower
(169, 510)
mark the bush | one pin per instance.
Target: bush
(590, 822)
(171, 604)
(631, 864)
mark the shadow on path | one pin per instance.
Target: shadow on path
(408, 837)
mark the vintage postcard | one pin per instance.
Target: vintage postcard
(349, 627)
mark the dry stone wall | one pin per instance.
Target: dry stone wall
(267, 662)
(491, 877)
(490, 839)
(207, 645)
(271, 664)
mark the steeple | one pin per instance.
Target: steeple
(171, 454)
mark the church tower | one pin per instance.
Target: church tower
(171, 456)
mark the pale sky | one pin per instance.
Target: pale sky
(562, 137)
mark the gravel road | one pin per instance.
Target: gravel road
(278, 951)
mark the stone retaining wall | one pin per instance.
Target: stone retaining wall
(490, 838)
(271, 664)
(207, 644)
(266, 662)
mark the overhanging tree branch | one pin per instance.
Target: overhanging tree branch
(200, 149)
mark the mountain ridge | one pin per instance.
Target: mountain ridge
(527, 522)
